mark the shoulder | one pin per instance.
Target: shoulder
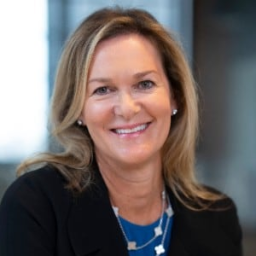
(224, 211)
(45, 178)
(39, 188)
(218, 222)
(205, 199)
(30, 207)
(46, 187)
(220, 207)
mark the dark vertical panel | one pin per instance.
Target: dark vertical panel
(225, 68)
(212, 51)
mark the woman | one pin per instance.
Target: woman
(125, 111)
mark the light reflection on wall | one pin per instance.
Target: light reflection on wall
(23, 78)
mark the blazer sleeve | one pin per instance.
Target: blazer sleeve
(27, 225)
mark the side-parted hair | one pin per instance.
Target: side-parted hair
(178, 153)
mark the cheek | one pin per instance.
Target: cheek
(95, 113)
(162, 106)
(164, 112)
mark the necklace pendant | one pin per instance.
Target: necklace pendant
(158, 231)
(132, 245)
(159, 249)
(169, 211)
(115, 210)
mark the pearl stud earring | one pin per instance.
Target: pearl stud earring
(174, 112)
(79, 122)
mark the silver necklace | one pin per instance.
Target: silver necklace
(158, 231)
(160, 248)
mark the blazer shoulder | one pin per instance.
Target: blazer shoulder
(225, 213)
(45, 182)
(224, 202)
(219, 222)
(30, 207)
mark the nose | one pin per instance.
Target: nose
(126, 106)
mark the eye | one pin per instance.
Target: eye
(146, 84)
(102, 90)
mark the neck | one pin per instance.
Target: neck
(136, 192)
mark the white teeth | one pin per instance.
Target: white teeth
(135, 129)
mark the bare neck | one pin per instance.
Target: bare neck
(136, 192)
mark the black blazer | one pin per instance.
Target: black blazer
(38, 217)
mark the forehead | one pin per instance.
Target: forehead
(124, 48)
(127, 37)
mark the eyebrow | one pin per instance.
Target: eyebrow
(107, 80)
(144, 73)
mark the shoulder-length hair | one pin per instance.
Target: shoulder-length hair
(178, 154)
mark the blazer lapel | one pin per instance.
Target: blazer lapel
(178, 243)
(92, 224)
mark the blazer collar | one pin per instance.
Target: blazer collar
(93, 227)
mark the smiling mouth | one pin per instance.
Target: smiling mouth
(138, 128)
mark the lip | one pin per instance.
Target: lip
(131, 129)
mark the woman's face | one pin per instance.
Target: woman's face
(128, 102)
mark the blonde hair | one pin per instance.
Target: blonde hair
(178, 154)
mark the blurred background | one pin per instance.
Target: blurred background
(219, 38)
